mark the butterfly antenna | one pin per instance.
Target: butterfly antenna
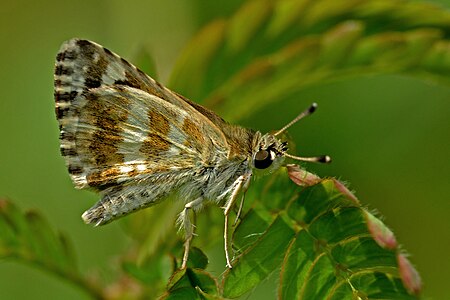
(319, 159)
(303, 114)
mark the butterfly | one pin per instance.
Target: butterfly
(135, 142)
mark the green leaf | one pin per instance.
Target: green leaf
(29, 239)
(197, 259)
(191, 284)
(268, 51)
(251, 227)
(255, 264)
(325, 246)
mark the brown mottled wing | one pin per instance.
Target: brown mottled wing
(117, 124)
(86, 65)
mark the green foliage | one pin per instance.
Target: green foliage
(28, 238)
(318, 239)
(293, 44)
(321, 242)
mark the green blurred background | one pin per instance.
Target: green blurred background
(389, 136)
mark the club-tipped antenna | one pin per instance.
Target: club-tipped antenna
(303, 114)
(319, 159)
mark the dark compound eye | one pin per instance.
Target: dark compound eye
(263, 159)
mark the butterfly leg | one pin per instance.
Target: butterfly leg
(241, 205)
(241, 184)
(185, 221)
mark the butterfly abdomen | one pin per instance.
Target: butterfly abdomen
(119, 201)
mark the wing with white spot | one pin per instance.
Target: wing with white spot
(118, 134)
(117, 123)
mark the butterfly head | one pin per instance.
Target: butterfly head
(270, 151)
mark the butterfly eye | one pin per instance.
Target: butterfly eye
(263, 159)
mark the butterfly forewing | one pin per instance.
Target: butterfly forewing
(124, 134)
(86, 65)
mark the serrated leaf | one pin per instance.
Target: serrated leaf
(326, 245)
